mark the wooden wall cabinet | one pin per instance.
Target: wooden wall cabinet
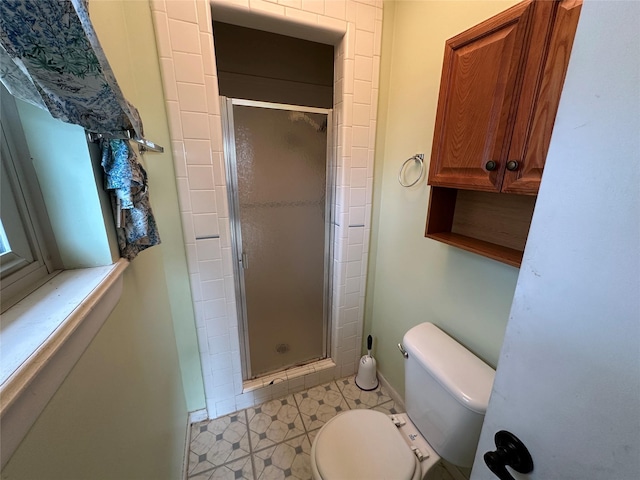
(499, 94)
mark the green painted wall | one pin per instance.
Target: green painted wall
(413, 279)
(122, 411)
(125, 30)
(120, 414)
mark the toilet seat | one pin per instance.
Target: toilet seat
(362, 444)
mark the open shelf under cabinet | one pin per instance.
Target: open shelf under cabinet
(494, 225)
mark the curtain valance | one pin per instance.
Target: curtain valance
(50, 56)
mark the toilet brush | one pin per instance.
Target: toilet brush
(367, 379)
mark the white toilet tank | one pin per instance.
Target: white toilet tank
(447, 391)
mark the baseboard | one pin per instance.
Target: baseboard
(392, 392)
(187, 444)
(198, 416)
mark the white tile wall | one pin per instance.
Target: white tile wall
(185, 45)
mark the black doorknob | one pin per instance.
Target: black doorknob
(490, 165)
(510, 452)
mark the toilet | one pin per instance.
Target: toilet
(447, 391)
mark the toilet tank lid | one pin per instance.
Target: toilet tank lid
(465, 376)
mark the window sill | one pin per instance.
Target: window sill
(42, 338)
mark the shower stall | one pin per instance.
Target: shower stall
(280, 188)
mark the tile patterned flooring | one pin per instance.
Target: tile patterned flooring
(273, 440)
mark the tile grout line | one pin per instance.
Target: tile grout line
(276, 444)
(251, 459)
(300, 414)
(306, 431)
(341, 393)
(206, 471)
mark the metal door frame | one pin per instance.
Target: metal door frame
(228, 140)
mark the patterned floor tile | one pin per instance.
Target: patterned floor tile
(388, 408)
(273, 422)
(312, 435)
(195, 428)
(273, 440)
(319, 404)
(219, 441)
(357, 398)
(240, 469)
(289, 459)
(199, 470)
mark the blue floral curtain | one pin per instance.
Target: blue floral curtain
(50, 56)
(125, 177)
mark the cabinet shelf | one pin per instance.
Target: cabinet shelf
(500, 253)
(495, 225)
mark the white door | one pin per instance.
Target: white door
(568, 378)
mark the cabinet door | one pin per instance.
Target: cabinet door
(478, 96)
(546, 68)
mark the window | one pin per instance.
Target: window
(50, 189)
(25, 260)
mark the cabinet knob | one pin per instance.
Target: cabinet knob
(512, 165)
(490, 165)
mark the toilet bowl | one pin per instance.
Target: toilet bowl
(366, 444)
(447, 391)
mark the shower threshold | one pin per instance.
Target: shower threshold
(294, 378)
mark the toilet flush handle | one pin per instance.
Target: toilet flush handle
(512, 452)
(404, 353)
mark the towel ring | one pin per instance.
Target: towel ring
(418, 157)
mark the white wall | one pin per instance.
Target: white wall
(568, 379)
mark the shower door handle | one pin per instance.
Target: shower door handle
(244, 260)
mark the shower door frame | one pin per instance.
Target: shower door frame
(229, 147)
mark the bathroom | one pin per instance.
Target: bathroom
(122, 411)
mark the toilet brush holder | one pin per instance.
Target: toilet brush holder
(367, 377)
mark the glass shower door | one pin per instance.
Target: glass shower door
(280, 218)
